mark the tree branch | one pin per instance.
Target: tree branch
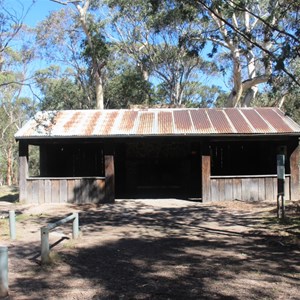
(271, 26)
(243, 35)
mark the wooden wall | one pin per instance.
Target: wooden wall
(64, 190)
(246, 188)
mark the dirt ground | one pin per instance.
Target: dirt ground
(156, 249)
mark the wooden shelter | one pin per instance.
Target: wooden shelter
(206, 154)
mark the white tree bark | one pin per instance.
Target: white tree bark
(97, 70)
(82, 7)
(243, 91)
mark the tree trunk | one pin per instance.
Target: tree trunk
(96, 67)
(9, 167)
(250, 96)
(237, 91)
(99, 92)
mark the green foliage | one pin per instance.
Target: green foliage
(34, 160)
(126, 89)
(292, 106)
(59, 91)
(99, 49)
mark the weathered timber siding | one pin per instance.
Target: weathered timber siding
(295, 171)
(252, 188)
(64, 190)
(23, 169)
(206, 171)
(109, 179)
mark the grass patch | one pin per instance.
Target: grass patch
(4, 228)
(289, 226)
(70, 244)
(287, 221)
(22, 217)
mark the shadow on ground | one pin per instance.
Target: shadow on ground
(140, 251)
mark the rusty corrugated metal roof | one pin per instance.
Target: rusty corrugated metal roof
(155, 122)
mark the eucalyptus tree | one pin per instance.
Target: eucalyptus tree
(59, 40)
(256, 41)
(95, 50)
(14, 108)
(16, 55)
(59, 90)
(11, 26)
(127, 88)
(156, 51)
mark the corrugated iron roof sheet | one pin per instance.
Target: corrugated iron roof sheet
(155, 122)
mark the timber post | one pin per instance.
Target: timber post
(295, 176)
(206, 173)
(109, 179)
(23, 170)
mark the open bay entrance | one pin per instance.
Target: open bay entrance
(158, 169)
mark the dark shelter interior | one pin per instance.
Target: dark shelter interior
(160, 167)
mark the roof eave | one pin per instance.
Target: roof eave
(120, 136)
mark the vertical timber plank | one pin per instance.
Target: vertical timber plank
(23, 171)
(84, 191)
(63, 191)
(101, 190)
(35, 191)
(269, 188)
(41, 191)
(71, 191)
(237, 189)
(261, 189)
(228, 189)
(245, 189)
(109, 179)
(29, 191)
(295, 176)
(214, 183)
(55, 191)
(254, 189)
(251, 187)
(287, 189)
(48, 191)
(206, 173)
(222, 189)
(77, 191)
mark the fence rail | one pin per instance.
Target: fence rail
(45, 230)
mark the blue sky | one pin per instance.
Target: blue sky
(41, 9)
(38, 11)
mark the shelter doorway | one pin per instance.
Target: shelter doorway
(158, 169)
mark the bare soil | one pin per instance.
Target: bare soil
(156, 249)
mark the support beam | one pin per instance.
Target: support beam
(295, 176)
(206, 172)
(23, 170)
(109, 179)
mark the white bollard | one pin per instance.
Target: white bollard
(75, 226)
(45, 249)
(12, 224)
(3, 271)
